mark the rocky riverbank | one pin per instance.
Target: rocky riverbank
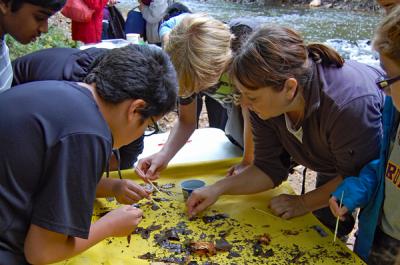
(353, 5)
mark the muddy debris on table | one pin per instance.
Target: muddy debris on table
(216, 217)
(217, 238)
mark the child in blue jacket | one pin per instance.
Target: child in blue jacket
(377, 189)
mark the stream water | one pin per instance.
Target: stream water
(348, 32)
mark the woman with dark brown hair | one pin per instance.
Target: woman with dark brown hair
(307, 103)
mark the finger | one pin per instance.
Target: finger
(155, 176)
(136, 212)
(151, 171)
(334, 206)
(191, 202)
(135, 215)
(342, 211)
(128, 200)
(131, 197)
(280, 199)
(140, 172)
(200, 207)
(287, 215)
(278, 210)
(138, 190)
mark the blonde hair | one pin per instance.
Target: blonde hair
(199, 48)
(387, 36)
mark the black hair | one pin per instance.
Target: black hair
(54, 5)
(175, 10)
(136, 72)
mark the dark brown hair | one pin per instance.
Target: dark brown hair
(273, 54)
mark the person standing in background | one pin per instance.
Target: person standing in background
(153, 12)
(90, 32)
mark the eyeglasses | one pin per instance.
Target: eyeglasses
(152, 128)
(384, 84)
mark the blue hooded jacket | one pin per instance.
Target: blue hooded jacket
(367, 189)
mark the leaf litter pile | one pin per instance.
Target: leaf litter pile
(216, 238)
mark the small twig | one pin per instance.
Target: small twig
(267, 213)
(141, 173)
(154, 186)
(155, 203)
(337, 219)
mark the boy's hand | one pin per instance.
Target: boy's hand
(128, 192)
(122, 221)
(152, 166)
(336, 211)
(200, 199)
(288, 206)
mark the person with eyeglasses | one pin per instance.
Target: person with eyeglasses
(55, 149)
(71, 64)
(377, 188)
(307, 103)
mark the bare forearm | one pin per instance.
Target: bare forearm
(248, 154)
(56, 247)
(181, 132)
(319, 198)
(251, 180)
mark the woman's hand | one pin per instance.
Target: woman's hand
(202, 198)
(151, 166)
(288, 206)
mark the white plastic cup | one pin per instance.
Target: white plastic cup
(133, 38)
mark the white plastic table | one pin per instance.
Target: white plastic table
(206, 144)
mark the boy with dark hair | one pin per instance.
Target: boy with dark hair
(24, 20)
(55, 149)
(69, 64)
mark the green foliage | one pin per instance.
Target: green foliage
(54, 38)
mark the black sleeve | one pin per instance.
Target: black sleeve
(269, 154)
(129, 153)
(47, 64)
(66, 193)
(80, 63)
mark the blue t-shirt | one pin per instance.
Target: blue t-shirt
(170, 24)
(54, 147)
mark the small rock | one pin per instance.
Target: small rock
(315, 3)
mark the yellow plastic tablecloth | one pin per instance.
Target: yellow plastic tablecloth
(293, 242)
